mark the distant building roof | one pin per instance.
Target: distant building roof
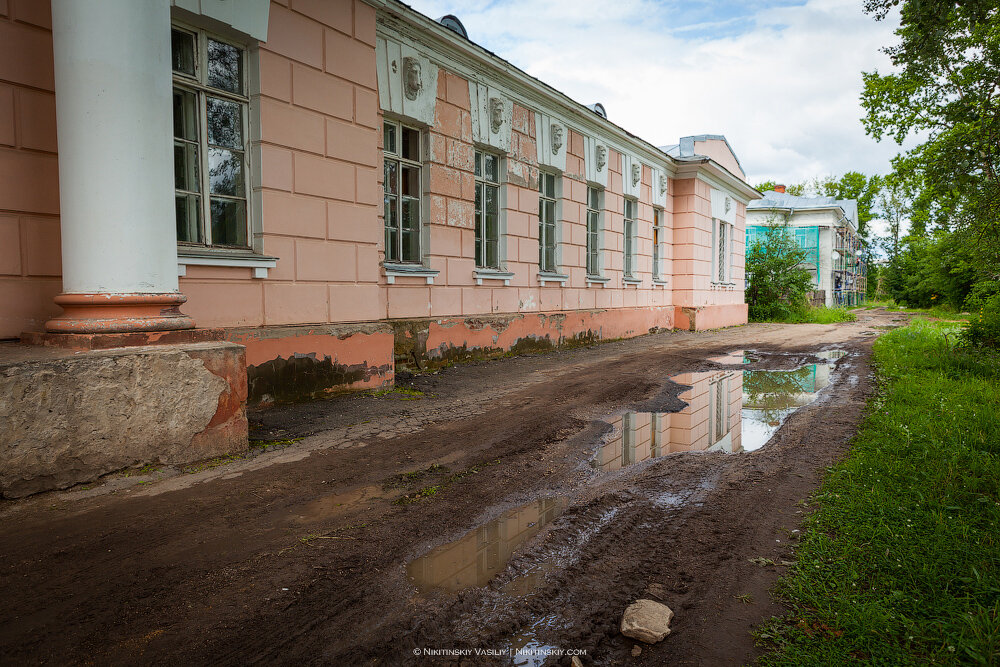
(685, 149)
(773, 199)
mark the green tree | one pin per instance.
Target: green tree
(776, 282)
(945, 90)
(797, 189)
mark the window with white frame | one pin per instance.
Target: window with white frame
(657, 244)
(487, 210)
(401, 186)
(547, 222)
(722, 243)
(631, 209)
(594, 208)
(211, 158)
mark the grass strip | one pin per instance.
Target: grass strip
(819, 315)
(900, 562)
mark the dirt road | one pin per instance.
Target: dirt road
(320, 552)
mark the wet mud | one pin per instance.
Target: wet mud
(514, 506)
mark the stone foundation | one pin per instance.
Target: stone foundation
(71, 416)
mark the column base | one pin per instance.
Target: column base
(119, 313)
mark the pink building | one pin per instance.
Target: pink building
(354, 185)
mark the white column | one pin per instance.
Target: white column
(114, 121)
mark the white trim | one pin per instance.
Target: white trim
(491, 274)
(260, 264)
(597, 280)
(393, 270)
(546, 277)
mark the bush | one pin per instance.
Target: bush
(776, 282)
(979, 294)
(984, 325)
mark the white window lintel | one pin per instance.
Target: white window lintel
(259, 263)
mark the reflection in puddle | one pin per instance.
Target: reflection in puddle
(710, 422)
(728, 411)
(737, 357)
(483, 552)
(770, 397)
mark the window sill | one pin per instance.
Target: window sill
(597, 280)
(657, 282)
(258, 263)
(547, 277)
(631, 281)
(492, 274)
(393, 271)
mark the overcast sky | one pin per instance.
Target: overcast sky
(780, 78)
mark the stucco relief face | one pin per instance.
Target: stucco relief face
(663, 185)
(602, 157)
(412, 79)
(636, 174)
(729, 204)
(557, 138)
(496, 113)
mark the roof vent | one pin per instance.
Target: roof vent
(598, 108)
(451, 22)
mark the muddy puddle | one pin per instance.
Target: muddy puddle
(483, 552)
(727, 411)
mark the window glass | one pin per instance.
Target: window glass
(225, 67)
(225, 123)
(487, 210)
(593, 231)
(188, 218)
(229, 222)
(411, 144)
(630, 237)
(657, 238)
(546, 222)
(389, 138)
(182, 52)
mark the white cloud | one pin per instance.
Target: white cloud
(782, 84)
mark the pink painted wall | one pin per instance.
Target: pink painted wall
(452, 232)
(717, 305)
(320, 167)
(30, 254)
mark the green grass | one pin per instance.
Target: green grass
(900, 563)
(404, 393)
(819, 315)
(939, 312)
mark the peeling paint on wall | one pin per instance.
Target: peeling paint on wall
(306, 376)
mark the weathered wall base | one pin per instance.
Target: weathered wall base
(429, 343)
(701, 318)
(292, 363)
(70, 417)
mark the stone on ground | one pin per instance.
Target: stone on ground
(646, 620)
